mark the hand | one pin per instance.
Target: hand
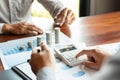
(65, 16)
(66, 30)
(95, 58)
(21, 28)
(43, 59)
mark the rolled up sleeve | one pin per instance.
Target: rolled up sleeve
(46, 73)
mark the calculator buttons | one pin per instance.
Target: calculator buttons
(69, 57)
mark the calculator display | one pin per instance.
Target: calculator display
(67, 48)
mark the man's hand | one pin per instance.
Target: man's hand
(21, 28)
(43, 59)
(65, 16)
(95, 58)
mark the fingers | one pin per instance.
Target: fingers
(44, 47)
(89, 64)
(66, 16)
(34, 55)
(70, 17)
(25, 28)
(87, 52)
(34, 28)
(61, 17)
(30, 28)
(72, 20)
(31, 32)
(37, 29)
(40, 49)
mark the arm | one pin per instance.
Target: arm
(59, 12)
(53, 6)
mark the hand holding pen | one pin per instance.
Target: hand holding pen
(41, 57)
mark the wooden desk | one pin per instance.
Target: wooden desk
(93, 30)
(97, 30)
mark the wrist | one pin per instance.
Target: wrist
(46, 73)
(44, 66)
(6, 28)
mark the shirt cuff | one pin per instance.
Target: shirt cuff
(1, 26)
(46, 73)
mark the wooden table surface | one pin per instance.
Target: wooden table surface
(93, 30)
(97, 30)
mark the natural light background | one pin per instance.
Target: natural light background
(40, 11)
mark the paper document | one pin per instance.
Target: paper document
(63, 72)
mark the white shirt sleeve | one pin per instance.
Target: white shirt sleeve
(53, 6)
(110, 69)
(1, 26)
(46, 73)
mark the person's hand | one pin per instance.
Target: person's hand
(21, 28)
(43, 59)
(95, 58)
(65, 16)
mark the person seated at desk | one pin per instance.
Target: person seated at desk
(15, 15)
(43, 64)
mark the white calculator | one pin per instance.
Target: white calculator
(68, 54)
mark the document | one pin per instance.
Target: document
(17, 51)
(63, 71)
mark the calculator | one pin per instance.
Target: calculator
(68, 54)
